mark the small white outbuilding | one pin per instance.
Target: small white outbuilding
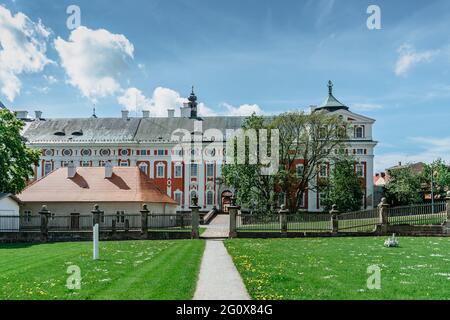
(9, 210)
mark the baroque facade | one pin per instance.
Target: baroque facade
(147, 143)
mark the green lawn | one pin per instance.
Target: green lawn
(127, 270)
(336, 268)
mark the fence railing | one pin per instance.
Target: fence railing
(420, 214)
(358, 221)
(312, 222)
(84, 222)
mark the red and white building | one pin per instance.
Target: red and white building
(147, 143)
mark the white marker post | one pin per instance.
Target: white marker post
(95, 252)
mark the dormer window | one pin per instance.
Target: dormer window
(67, 152)
(85, 152)
(77, 133)
(60, 133)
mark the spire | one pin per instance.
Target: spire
(331, 103)
(193, 104)
(330, 88)
(93, 112)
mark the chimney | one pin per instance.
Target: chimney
(71, 170)
(22, 115)
(125, 114)
(171, 113)
(108, 170)
(400, 164)
(38, 115)
(377, 175)
(383, 175)
(145, 114)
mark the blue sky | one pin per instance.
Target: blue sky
(263, 55)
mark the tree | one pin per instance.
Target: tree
(344, 188)
(16, 160)
(252, 189)
(441, 178)
(315, 139)
(403, 187)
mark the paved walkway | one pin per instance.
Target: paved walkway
(219, 278)
(219, 227)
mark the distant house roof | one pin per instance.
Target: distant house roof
(416, 167)
(128, 184)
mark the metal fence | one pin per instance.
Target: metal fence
(312, 222)
(358, 221)
(84, 222)
(420, 214)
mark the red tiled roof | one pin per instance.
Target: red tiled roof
(90, 185)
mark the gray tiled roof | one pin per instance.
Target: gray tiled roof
(101, 130)
(120, 130)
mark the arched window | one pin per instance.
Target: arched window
(143, 167)
(179, 197)
(160, 170)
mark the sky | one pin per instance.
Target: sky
(242, 56)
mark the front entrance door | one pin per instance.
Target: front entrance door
(74, 221)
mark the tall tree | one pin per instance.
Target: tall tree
(252, 189)
(16, 160)
(315, 139)
(344, 188)
(403, 187)
(441, 178)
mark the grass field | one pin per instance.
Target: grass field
(336, 268)
(127, 270)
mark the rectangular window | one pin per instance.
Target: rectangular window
(322, 198)
(360, 170)
(210, 170)
(161, 152)
(360, 151)
(124, 163)
(178, 171)
(323, 173)
(85, 163)
(194, 170)
(120, 216)
(47, 168)
(178, 197)
(143, 152)
(301, 201)
(299, 170)
(160, 171)
(210, 198)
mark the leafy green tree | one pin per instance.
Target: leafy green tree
(315, 138)
(16, 160)
(403, 187)
(344, 188)
(441, 178)
(252, 189)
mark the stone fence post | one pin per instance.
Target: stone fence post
(96, 213)
(195, 218)
(447, 205)
(283, 219)
(233, 211)
(45, 214)
(144, 220)
(334, 219)
(383, 215)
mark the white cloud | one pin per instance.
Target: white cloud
(50, 79)
(22, 50)
(95, 60)
(162, 99)
(366, 107)
(408, 57)
(242, 110)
